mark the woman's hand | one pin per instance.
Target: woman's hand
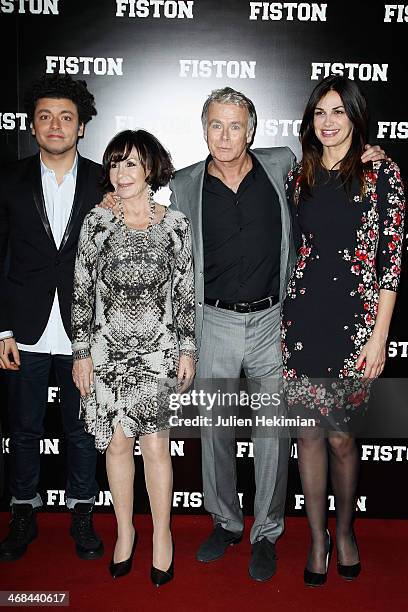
(372, 356)
(186, 371)
(82, 374)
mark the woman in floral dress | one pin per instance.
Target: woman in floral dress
(133, 334)
(336, 317)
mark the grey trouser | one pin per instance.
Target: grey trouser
(232, 342)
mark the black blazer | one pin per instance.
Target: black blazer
(31, 266)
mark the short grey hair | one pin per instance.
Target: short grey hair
(227, 95)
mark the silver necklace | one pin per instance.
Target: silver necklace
(144, 234)
(152, 206)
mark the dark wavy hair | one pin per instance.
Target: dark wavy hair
(156, 161)
(355, 106)
(61, 86)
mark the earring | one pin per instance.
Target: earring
(150, 194)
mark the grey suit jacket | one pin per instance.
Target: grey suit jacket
(187, 192)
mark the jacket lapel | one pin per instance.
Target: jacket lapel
(195, 198)
(38, 196)
(274, 173)
(79, 198)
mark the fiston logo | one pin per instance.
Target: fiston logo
(33, 7)
(84, 65)
(53, 395)
(363, 72)
(176, 448)
(47, 446)
(278, 127)
(12, 121)
(287, 11)
(361, 504)
(393, 129)
(375, 453)
(56, 497)
(245, 449)
(220, 69)
(398, 349)
(396, 12)
(383, 453)
(193, 499)
(169, 9)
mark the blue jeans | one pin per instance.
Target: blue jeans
(27, 401)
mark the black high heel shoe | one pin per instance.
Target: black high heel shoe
(160, 577)
(315, 579)
(350, 572)
(117, 570)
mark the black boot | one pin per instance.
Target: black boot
(88, 543)
(23, 530)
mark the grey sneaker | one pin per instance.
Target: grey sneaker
(216, 545)
(263, 560)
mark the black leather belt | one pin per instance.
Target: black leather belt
(244, 307)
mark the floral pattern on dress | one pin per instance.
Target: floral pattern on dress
(379, 240)
(378, 246)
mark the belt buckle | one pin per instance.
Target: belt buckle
(239, 305)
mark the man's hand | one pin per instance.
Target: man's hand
(8, 348)
(186, 371)
(110, 200)
(373, 153)
(83, 376)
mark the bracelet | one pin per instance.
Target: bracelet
(81, 353)
(189, 353)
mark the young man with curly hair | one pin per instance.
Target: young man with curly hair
(43, 201)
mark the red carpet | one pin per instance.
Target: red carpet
(51, 564)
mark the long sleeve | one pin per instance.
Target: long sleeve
(391, 209)
(183, 291)
(83, 298)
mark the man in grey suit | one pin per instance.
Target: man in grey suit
(243, 255)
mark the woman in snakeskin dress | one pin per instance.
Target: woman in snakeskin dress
(133, 333)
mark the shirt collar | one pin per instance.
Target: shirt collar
(255, 162)
(251, 174)
(72, 171)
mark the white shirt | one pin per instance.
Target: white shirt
(58, 204)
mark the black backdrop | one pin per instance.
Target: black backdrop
(151, 64)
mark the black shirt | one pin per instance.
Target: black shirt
(242, 237)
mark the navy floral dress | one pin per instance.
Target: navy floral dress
(349, 249)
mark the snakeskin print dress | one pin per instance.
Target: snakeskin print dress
(133, 308)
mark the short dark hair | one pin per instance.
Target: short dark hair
(61, 86)
(156, 161)
(356, 109)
